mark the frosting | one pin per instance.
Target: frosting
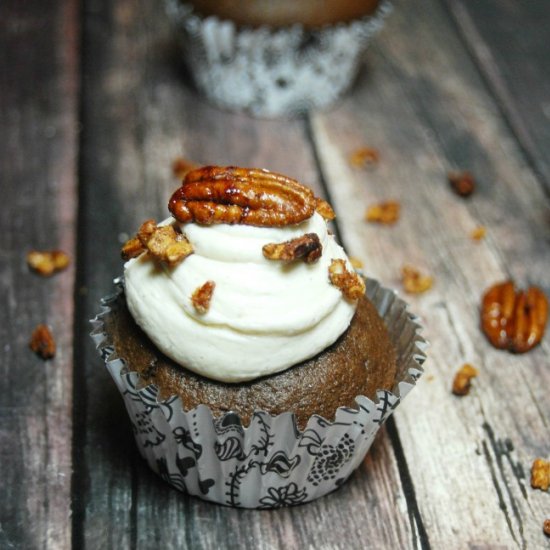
(264, 315)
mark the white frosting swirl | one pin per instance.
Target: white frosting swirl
(264, 316)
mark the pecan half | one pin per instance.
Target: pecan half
(463, 379)
(462, 183)
(415, 282)
(512, 319)
(42, 342)
(308, 248)
(163, 243)
(546, 527)
(540, 474)
(350, 283)
(249, 196)
(202, 296)
(386, 213)
(47, 262)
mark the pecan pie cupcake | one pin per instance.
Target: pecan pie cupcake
(255, 364)
(275, 58)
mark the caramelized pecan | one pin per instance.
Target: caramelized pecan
(462, 183)
(364, 156)
(47, 262)
(308, 248)
(540, 474)
(163, 243)
(478, 233)
(385, 212)
(512, 319)
(249, 196)
(202, 296)
(350, 283)
(415, 282)
(546, 527)
(463, 378)
(42, 342)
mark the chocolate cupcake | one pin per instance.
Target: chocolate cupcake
(254, 368)
(275, 58)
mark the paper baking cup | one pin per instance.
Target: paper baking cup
(270, 463)
(272, 72)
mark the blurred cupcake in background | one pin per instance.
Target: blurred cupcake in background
(274, 59)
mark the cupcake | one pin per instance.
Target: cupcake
(275, 58)
(256, 365)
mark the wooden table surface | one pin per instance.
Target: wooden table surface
(94, 107)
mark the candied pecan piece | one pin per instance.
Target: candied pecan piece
(181, 167)
(364, 157)
(462, 183)
(514, 320)
(546, 527)
(308, 248)
(323, 208)
(478, 233)
(385, 212)
(350, 283)
(463, 379)
(540, 474)
(249, 196)
(47, 262)
(202, 296)
(42, 342)
(131, 249)
(415, 282)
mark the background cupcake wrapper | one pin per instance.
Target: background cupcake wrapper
(270, 463)
(272, 72)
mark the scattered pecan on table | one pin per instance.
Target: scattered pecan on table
(462, 183)
(478, 233)
(540, 474)
(350, 283)
(546, 527)
(364, 157)
(386, 213)
(415, 282)
(463, 379)
(308, 248)
(163, 243)
(512, 319)
(202, 297)
(249, 196)
(42, 342)
(47, 262)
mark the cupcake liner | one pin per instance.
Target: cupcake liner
(272, 72)
(270, 463)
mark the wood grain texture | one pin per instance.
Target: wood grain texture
(38, 43)
(510, 43)
(139, 115)
(427, 110)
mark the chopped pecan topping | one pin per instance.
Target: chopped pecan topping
(181, 167)
(350, 283)
(42, 342)
(164, 244)
(546, 527)
(364, 157)
(540, 474)
(415, 282)
(202, 296)
(131, 249)
(308, 248)
(462, 183)
(463, 379)
(323, 208)
(385, 212)
(249, 196)
(47, 262)
(512, 319)
(478, 233)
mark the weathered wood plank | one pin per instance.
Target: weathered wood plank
(139, 115)
(427, 110)
(510, 43)
(38, 117)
